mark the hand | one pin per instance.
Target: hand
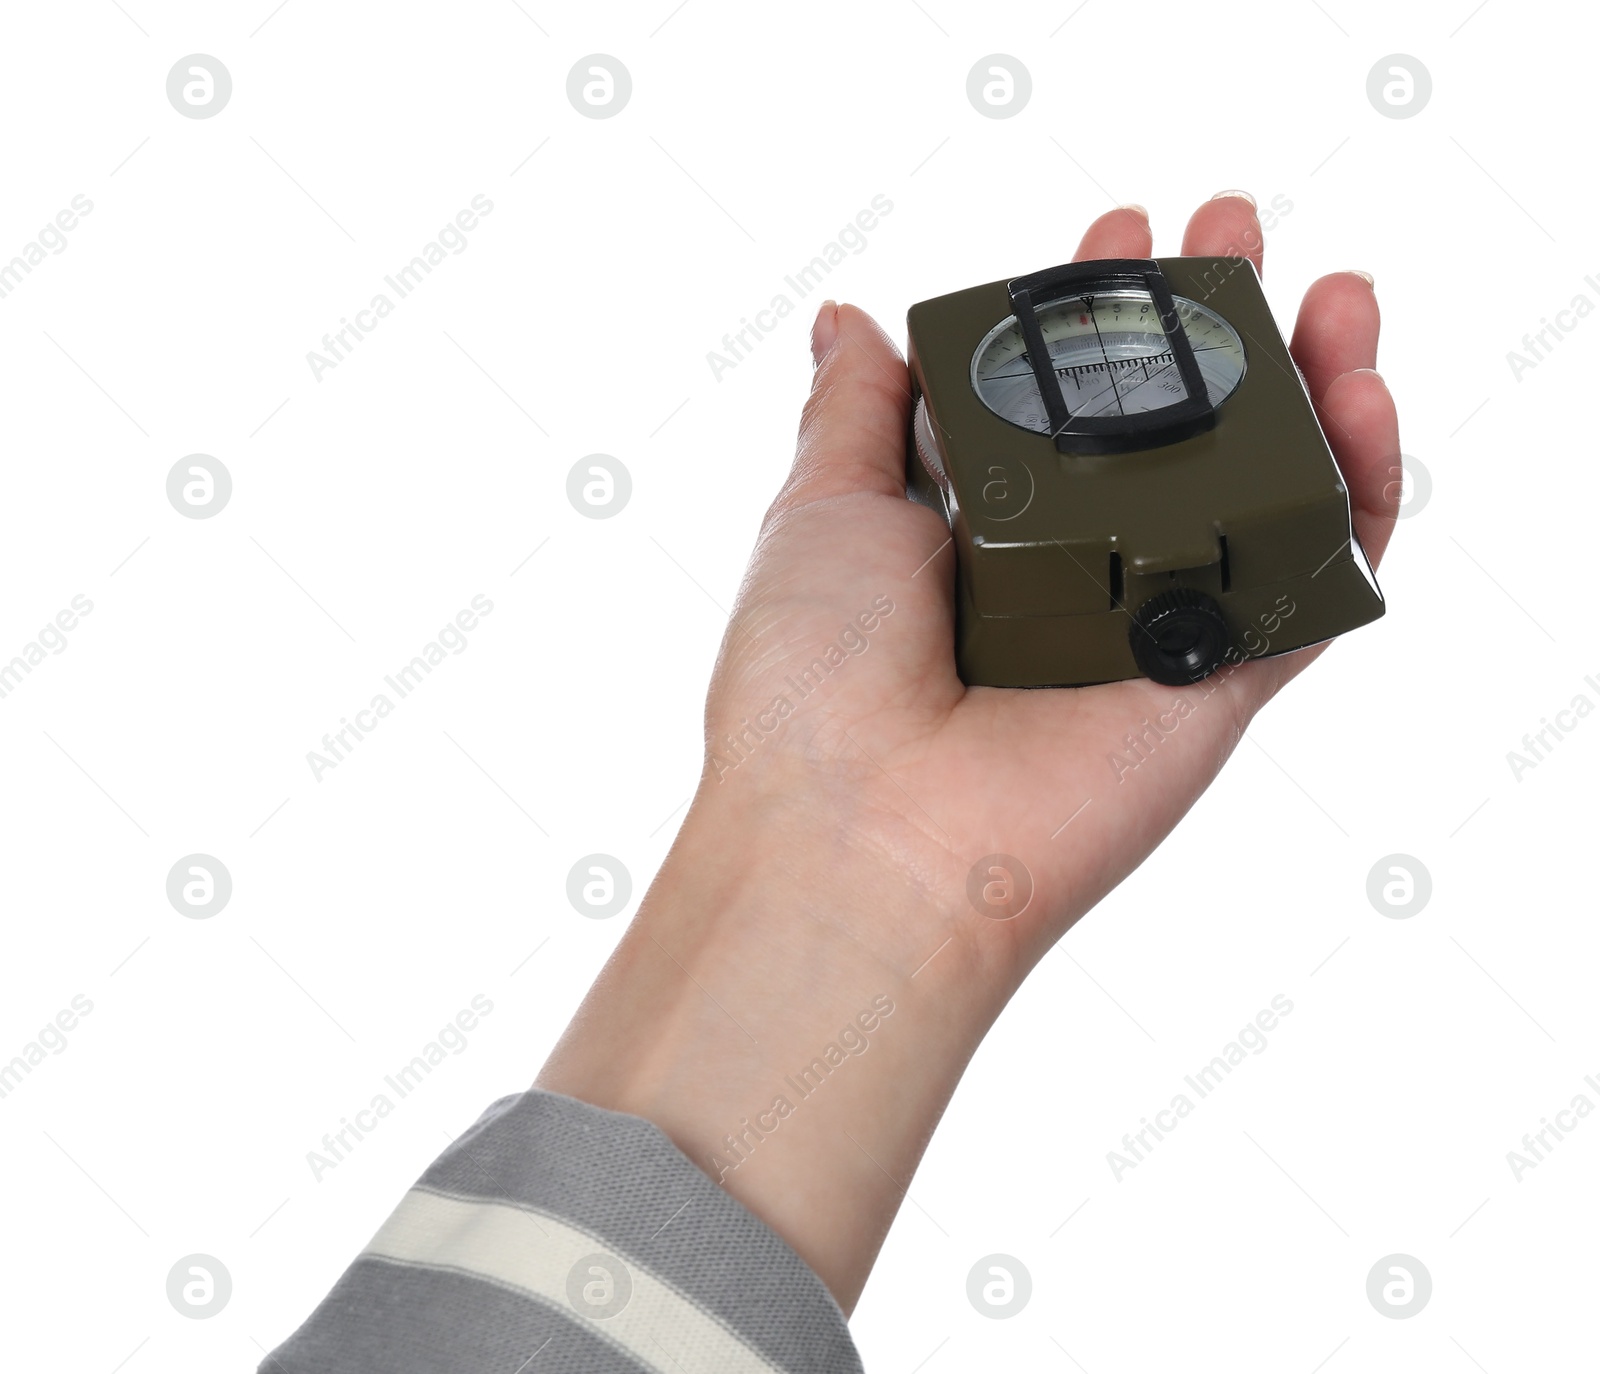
(826, 857)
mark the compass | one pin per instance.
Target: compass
(1134, 478)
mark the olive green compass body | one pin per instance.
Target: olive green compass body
(1134, 478)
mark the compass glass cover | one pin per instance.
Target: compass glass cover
(1110, 357)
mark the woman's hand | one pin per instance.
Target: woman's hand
(853, 782)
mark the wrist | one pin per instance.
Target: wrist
(792, 1005)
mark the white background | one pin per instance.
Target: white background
(372, 505)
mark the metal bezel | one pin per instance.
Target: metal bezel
(1010, 322)
(1082, 434)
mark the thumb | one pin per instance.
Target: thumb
(853, 427)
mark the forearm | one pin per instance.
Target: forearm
(794, 1012)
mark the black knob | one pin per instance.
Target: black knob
(1179, 637)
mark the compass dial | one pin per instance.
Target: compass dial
(1110, 357)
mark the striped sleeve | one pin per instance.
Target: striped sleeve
(559, 1238)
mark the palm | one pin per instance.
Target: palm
(940, 775)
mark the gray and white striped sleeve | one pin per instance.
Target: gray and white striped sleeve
(560, 1238)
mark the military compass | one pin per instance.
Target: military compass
(1133, 475)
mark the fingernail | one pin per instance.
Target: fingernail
(1134, 208)
(1243, 195)
(824, 332)
(1365, 276)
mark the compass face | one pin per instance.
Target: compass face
(1110, 357)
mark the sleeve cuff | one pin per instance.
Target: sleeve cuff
(584, 1236)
